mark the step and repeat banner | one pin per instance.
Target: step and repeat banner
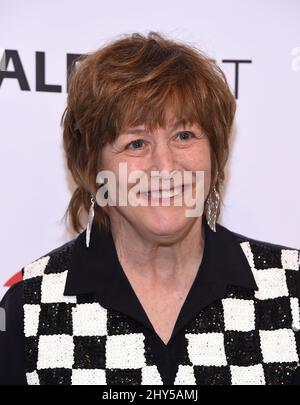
(256, 43)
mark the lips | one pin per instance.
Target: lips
(164, 193)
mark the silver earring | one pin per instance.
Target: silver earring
(90, 222)
(212, 205)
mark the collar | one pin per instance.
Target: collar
(97, 270)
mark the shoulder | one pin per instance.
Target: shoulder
(262, 254)
(44, 280)
(276, 269)
(242, 237)
(42, 277)
(55, 261)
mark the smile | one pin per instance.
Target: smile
(163, 194)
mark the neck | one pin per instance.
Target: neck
(152, 259)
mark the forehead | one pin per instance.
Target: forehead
(174, 124)
(168, 116)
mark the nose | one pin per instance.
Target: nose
(163, 157)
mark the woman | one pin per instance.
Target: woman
(148, 294)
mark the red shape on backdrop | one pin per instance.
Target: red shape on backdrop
(14, 279)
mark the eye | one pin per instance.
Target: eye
(185, 135)
(136, 144)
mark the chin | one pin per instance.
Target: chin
(165, 223)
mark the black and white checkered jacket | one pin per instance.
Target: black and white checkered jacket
(248, 337)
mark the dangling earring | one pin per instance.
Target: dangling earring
(90, 222)
(212, 205)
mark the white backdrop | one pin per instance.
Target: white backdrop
(262, 196)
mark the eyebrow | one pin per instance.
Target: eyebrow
(176, 124)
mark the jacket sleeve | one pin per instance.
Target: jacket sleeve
(12, 359)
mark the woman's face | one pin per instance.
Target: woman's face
(181, 149)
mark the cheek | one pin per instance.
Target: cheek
(198, 158)
(112, 162)
(136, 164)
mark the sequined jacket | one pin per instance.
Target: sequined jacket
(246, 337)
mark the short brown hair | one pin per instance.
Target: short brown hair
(131, 81)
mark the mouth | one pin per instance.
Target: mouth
(164, 194)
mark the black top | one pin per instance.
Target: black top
(97, 270)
